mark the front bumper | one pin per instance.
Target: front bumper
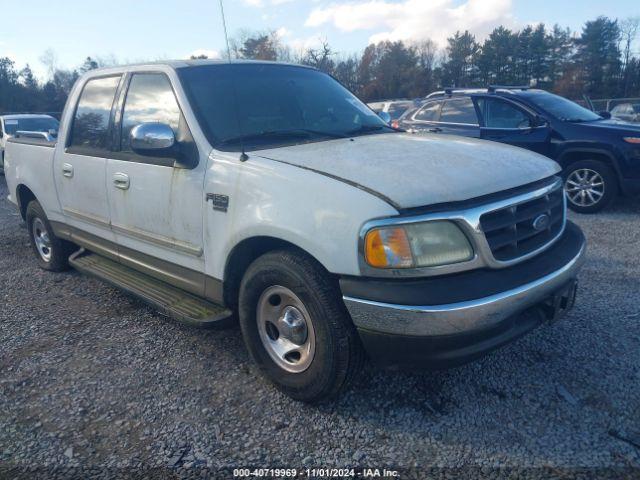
(467, 323)
(630, 186)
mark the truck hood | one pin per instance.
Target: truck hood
(419, 170)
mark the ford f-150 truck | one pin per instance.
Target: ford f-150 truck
(270, 194)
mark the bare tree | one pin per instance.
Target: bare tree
(49, 59)
(427, 51)
(629, 29)
(320, 58)
(109, 60)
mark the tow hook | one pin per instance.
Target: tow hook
(558, 305)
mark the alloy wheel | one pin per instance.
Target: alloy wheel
(585, 187)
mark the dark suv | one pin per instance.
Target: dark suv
(600, 156)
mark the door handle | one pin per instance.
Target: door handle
(121, 181)
(435, 130)
(67, 170)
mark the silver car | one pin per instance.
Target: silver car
(629, 112)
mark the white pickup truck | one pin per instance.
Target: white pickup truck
(268, 193)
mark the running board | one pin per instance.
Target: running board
(172, 301)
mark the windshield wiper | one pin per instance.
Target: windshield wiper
(582, 120)
(369, 128)
(293, 132)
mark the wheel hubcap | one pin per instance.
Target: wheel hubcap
(584, 187)
(41, 239)
(285, 329)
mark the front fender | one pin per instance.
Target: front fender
(320, 215)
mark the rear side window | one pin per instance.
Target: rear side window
(460, 110)
(397, 109)
(91, 121)
(429, 113)
(150, 99)
(499, 114)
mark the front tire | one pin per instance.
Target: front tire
(590, 186)
(51, 252)
(296, 327)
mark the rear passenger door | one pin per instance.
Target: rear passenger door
(79, 168)
(156, 206)
(459, 117)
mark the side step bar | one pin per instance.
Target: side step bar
(176, 303)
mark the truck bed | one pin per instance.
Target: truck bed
(28, 161)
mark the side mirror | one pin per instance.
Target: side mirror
(539, 121)
(385, 117)
(153, 139)
(604, 114)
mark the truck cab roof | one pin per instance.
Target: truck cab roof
(179, 64)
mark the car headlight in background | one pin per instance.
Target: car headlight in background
(415, 245)
(635, 140)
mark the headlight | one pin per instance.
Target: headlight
(416, 245)
(635, 140)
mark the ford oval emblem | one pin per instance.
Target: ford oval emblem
(541, 222)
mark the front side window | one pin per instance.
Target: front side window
(91, 121)
(499, 114)
(459, 110)
(262, 105)
(397, 109)
(429, 113)
(150, 99)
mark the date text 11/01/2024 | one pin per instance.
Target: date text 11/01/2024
(316, 473)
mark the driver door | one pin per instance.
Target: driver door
(156, 207)
(505, 122)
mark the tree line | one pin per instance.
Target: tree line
(599, 62)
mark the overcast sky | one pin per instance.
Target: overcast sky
(131, 30)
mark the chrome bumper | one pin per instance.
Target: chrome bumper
(461, 317)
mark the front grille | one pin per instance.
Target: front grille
(510, 231)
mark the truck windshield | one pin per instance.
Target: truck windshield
(34, 124)
(264, 105)
(562, 108)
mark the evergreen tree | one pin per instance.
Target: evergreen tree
(598, 57)
(496, 58)
(460, 69)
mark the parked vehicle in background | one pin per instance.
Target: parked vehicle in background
(394, 108)
(600, 157)
(629, 112)
(42, 126)
(325, 231)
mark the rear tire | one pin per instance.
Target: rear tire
(590, 185)
(289, 303)
(51, 252)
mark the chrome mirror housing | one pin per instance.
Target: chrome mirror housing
(155, 139)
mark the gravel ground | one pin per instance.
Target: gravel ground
(94, 383)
